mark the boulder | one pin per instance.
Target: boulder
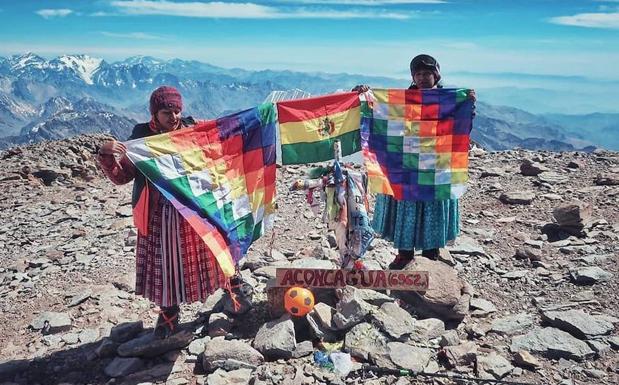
(218, 351)
(517, 197)
(447, 297)
(578, 323)
(553, 343)
(276, 339)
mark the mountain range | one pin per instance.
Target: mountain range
(43, 99)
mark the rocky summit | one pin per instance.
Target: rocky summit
(527, 293)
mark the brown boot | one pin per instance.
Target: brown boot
(403, 258)
(431, 254)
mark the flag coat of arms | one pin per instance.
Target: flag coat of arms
(415, 143)
(220, 175)
(308, 127)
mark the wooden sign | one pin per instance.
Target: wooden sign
(364, 279)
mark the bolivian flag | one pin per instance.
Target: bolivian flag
(308, 127)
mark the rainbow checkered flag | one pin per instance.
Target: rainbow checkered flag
(220, 175)
(415, 142)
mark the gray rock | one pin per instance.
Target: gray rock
(553, 343)
(319, 330)
(394, 321)
(196, 347)
(466, 245)
(551, 177)
(450, 338)
(573, 215)
(607, 179)
(276, 339)
(594, 373)
(599, 346)
(447, 297)
(513, 324)
(614, 342)
(57, 321)
(70, 338)
(525, 359)
(589, 275)
(303, 348)
(409, 357)
(234, 377)
(482, 307)
(125, 331)
(463, 354)
(79, 298)
(517, 197)
(351, 309)
(324, 314)
(120, 367)
(373, 297)
(427, 329)
(528, 253)
(217, 351)
(578, 323)
(88, 336)
(148, 345)
(516, 274)
(365, 339)
(494, 364)
(528, 168)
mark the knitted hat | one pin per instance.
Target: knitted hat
(165, 97)
(427, 62)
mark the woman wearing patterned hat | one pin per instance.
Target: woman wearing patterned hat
(417, 225)
(173, 264)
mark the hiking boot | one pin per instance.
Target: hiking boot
(167, 322)
(402, 260)
(432, 254)
(239, 301)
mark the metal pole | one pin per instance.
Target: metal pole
(404, 372)
(337, 150)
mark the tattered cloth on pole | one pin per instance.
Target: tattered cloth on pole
(220, 175)
(309, 127)
(415, 142)
(344, 196)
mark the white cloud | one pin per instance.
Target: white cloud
(132, 35)
(589, 20)
(365, 2)
(101, 14)
(49, 13)
(243, 11)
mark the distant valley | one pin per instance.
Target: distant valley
(44, 99)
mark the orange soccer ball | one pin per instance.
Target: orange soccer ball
(298, 301)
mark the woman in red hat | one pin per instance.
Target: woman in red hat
(173, 264)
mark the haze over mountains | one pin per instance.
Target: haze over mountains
(44, 99)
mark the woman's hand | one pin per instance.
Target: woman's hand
(472, 95)
(112, 147)
(361, 88)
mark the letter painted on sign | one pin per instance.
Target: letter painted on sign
(381, 279)
(287, 281)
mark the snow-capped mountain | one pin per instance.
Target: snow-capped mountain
(83, 66)
(45, 99)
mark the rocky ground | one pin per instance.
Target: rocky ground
(528, 293)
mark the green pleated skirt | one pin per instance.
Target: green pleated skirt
(416, 225)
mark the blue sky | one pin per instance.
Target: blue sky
(558, 37)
